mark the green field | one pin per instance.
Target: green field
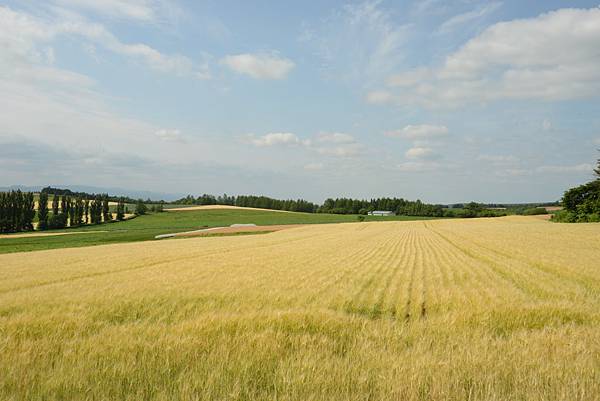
(144, 228)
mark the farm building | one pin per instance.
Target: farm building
(381, 213)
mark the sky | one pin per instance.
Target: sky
(443, 101)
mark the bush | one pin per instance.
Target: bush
(57, 221)
(361, 217)
(535, 211)
(564, 216)
(140, 208)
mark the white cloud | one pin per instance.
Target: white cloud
(23, 37)
(276, 139)
(409, 78)
(546, 125)
(344, 150)
(558, 61)
(314, 166)
(379, 97)
(259, 66)
(416, 166)
(417, 132)
(335, 137)
(498, 159)
(170, 135)
(578, 168)
(335, 144)
(468, 17)
(143, 10)
(513, 172)
(419, 152)
(358, 43)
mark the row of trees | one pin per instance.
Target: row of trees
(263, 202)
(86, 195)
(344, 205)
(73, 211)
(404, 207)
(17, 211)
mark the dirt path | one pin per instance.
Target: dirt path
(230, 230)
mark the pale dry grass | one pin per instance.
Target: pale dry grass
(212, 207)
(486, 309)
(51, 234)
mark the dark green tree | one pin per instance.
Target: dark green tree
(43, 211)
(96, 210)
(28, 211)
(64, 204)
(140, 208)
(55, 204)
(71, 209)
(86, 210)
(121, 209)
(106, 214)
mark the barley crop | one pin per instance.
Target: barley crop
(485, 309)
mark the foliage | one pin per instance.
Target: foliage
(140, 208)
(58, 221)
(83, 195)
(121, 209)
(262, 202)
(106, 215)
(534, 211)
(55, 201)
(17, 211)
(43, 211)
(96, 210)
(581, 204)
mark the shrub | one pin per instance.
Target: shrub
(535, 211)
(564, 216)
(58, 221)
(140, 208)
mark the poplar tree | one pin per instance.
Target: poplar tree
(43, 211)
(121, 209)
(71, 210)
(79, 208)
(28, 211)
(55, 204)
(106, 215)
(63, 204)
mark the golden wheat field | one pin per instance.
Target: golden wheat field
(485, 309)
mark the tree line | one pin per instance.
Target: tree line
(581, 204)
(262, 202)
(344, 206)
(18, 211)
(87, 195)
(405, 207)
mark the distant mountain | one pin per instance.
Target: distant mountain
(132, 193)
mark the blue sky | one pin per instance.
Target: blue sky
(445, 101)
